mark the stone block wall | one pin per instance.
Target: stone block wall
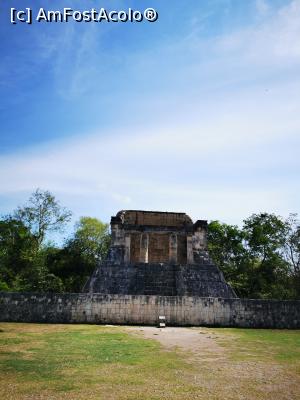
(156, 237)
(204, 280)
(145, 310)
(154, 218)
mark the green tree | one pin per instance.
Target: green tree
(23, 253)
(22, 265)
(265, 238)
(77, 260)
(292, 250)
(42, 214)
(259, 260)
(17, 251)
(292, 243)
(37, 277)
(91, 238)
(226, 244)
(266, 234)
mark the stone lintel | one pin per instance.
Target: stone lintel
(157, 229)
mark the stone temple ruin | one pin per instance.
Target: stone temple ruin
(158, 253)
(158, 270)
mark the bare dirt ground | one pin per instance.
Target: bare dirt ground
(218, 373)
(194, 342)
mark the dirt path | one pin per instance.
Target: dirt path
(220, 376)
(198, 343)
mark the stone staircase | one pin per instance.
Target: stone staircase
(203, 280)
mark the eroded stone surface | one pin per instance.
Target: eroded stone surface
(145, 310)
(157, 237)
(158, 253)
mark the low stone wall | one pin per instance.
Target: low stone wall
(129, 309)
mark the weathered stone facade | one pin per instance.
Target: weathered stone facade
(145, 310)
(153, 237)
(158, 253)
(158, 264)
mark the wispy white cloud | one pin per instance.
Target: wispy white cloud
(217, 139)
(262, 7)
(227, 167)
(272, 43)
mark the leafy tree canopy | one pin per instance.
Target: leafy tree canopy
(91, 238)
(260, 259)
(42, 214)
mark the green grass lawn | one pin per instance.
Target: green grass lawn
(281, 346)
(84, 360)
(40, 361)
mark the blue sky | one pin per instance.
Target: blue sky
(198, 112)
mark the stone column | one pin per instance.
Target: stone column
(127, 249)
(116, 250)
(173, 248)
(144, 244)
(189, 249)
(117, 234)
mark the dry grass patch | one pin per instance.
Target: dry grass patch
(236, 363)
(82, 361)
(101, 362)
